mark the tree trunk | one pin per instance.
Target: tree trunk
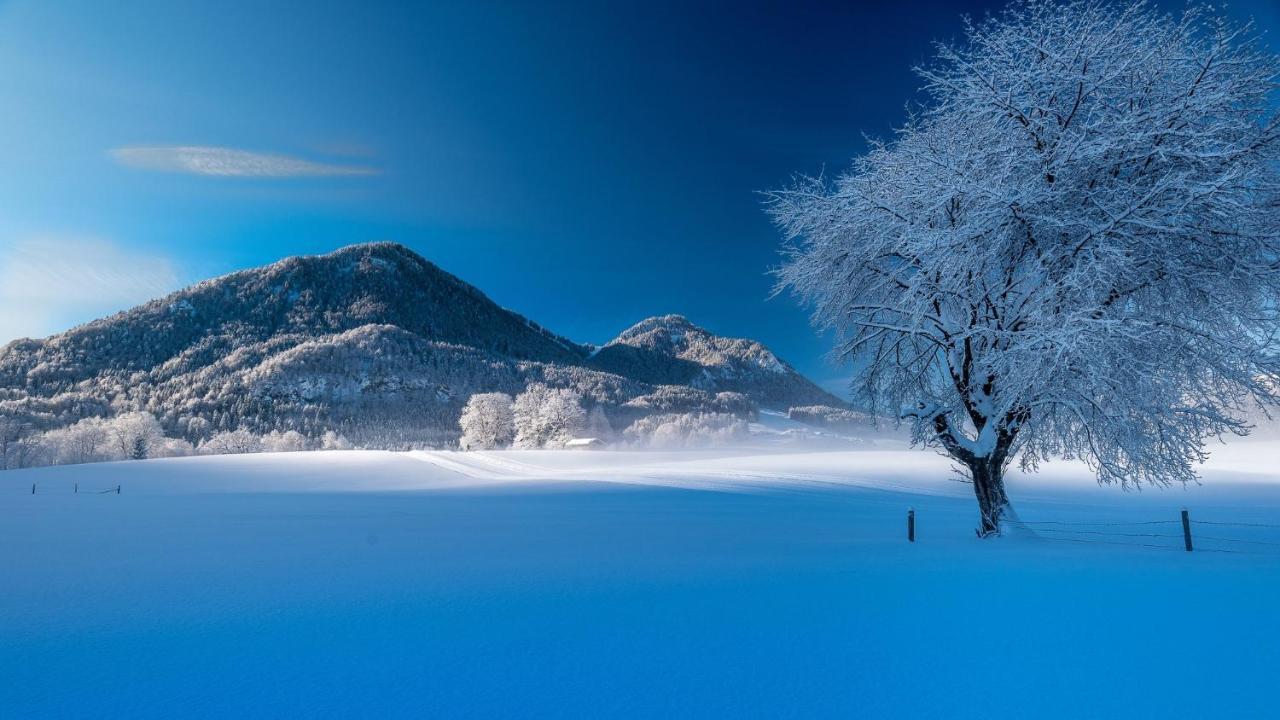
(987, 471)
(988, 485)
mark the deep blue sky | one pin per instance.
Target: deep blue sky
(587, 165)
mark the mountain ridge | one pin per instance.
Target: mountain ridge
(371, 332)
(669, 349)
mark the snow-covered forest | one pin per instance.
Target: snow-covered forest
(371, 346)
(540, 417)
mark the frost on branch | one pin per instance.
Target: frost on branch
(1071, 250)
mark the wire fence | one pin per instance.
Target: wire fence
(1176, 535)
(74, 490)
(1264, 538)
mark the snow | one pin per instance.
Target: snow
(724, 583)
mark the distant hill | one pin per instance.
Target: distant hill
(371, 340)
(670, 350)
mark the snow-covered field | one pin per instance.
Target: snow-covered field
(611, 584)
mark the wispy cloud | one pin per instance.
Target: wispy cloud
(50, 283)
(228, 162)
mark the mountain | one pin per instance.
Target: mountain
(670, 350)
(299, 297)
(373, 341)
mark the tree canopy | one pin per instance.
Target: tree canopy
(1070, 250)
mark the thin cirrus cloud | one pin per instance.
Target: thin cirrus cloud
(52, 282)
(228, 162)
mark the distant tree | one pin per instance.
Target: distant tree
(94, 439)
(29, 451)
(287, 441)
(231, 442)
(686, 430)
(85, 441)
(198, 429)
(132, 435)
(21, 446)
(333, 441)
(487, 422)
(140, 449)
(175, 447)
(829, 417)
(735, 403)
(10, 430)
(1070, 251)
(547, 417)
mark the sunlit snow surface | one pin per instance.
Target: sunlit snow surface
(603, 584)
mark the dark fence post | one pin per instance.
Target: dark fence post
(33, 488)
(77, 489)
(117, 489)
(911, 524)
(1186, 528)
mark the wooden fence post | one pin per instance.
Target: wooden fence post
(117, 489)
(911, 524)
(77, 489)
(1186, 528)
(33, 488)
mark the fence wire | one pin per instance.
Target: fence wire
(1061, 522)
(1075, 531)
(1236, 524)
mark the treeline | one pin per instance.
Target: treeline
(540, 415)
(833, 418)
(139, 436)
(544, 417)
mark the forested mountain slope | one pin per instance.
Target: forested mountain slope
(670, 350)
(372, 341)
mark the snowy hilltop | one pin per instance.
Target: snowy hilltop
(371, 343)
(670, 350)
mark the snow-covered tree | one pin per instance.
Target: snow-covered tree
(133, 436)
(334, 441)
(287, 441)
(487, 422)
(547, 417)
(231, 442)
(21, 446)
(130, 436)
(198, 428)
(85, 441)
(175, 447)
(10, 430)
(25, 450)
(687, 430)
(1071, 250)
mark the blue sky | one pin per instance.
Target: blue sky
(587, 165)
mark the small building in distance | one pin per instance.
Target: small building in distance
(585, 444)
